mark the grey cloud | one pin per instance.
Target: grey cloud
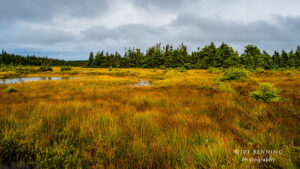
(41, 10)
(39, 35)
(133, 34)
(196, 29)
(162, 4)
(47, 36)
(181, 5)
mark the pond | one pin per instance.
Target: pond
(25, 79)
(142, 83)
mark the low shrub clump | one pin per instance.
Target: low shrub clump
(17, 69)
(259, 71)
(65, 68)
(10, 89)
(238, 74)
(5, 68)
(25, 70)
(45, 69)
(163, 67)
(206, 88)
(289, 72)
(187, 66)
(213, 70)
(224, 88)
(266, 93)
(181, 69)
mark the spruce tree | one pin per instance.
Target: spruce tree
(91, 59)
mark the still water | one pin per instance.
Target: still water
(142, 83)
(25, 79)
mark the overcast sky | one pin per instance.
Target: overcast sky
(70, 29)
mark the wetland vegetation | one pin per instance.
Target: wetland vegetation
(195, 110)
(184, 119)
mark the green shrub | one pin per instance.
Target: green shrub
(213, 70)
(17, 69)
(10, 89)
(187, 65)
(224, 88)
(281, 69)
(238, 74)
(163, 67)
(2, 69)
(259, 71)
(65, 68)
(266, 93)
(206, 88)
(5, 68)
(110, 68)
(25, 70)
(181, 69)
(45, 68)
(288, 72)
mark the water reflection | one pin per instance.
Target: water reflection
(142, 83)
(25, 79)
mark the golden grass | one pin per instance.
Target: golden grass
(183, 120)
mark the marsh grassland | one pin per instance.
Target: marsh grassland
(184, 119)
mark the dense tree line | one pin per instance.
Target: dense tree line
(12, 59)
(168, 57)
(209, 56)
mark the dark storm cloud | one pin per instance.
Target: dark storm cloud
(41, 10)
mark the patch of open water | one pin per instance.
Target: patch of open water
(25, 79)
(142, 83)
